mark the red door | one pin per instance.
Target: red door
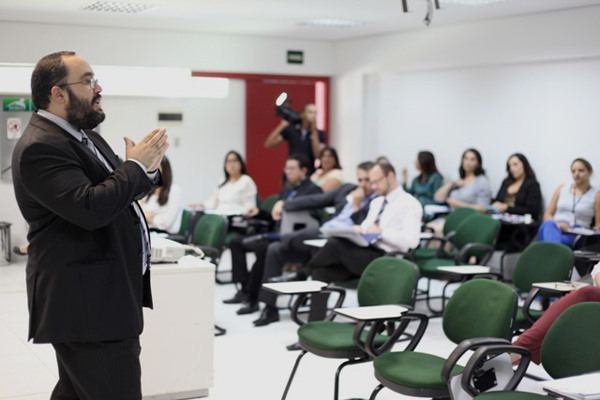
(264, 165)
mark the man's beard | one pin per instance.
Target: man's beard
(81, 114)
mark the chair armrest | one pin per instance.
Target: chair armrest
(295, 314)
(462, 348)
(395, 331)
(527, 304)
(488, 352)
(462, 255)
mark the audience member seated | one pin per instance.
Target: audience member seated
(519, 194)
(236, 195)
(297, 185)
(532, 338)
(427, 183)
(351, 204)
(394, 215)
(520, 191)
(162, 208)
(472, 189)
(572, 205)
(329, 175)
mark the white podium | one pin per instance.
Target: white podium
(177, 342)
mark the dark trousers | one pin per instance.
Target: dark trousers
(291, 249)
(98, 370)
(340, 260)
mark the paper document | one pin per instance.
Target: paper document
(581, 387)
(360, 239)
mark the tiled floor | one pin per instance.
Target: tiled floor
(250, 363)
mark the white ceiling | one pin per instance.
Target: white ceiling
(274, 18)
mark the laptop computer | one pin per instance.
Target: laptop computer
(360, 239)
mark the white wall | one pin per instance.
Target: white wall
(210, 127)
(529, 84)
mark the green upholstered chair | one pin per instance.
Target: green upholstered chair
(474, 238)
(386, 280)
(539, 262)
(209, 235)
(185, 229)
(452, 222)
(480, 308)
(269, 202)
(570, 347)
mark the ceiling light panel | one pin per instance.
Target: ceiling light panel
(118, 7)
(332, 23)
(473, 2)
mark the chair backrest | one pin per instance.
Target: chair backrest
(571, 345)
(542, 262)
(388, 280)
(186, 217)
(456, 218)
(210, 231)
(480, 308)
(269, 202)
(476, 228)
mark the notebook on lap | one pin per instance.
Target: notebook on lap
(360, 239)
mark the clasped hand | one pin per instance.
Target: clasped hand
(150, 150)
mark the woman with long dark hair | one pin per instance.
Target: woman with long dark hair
(424, 186)
(329, 175)
(162, 208)
(236, 194)
(472, 189)
(520, 191)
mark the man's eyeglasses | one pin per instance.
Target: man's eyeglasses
(92, 82)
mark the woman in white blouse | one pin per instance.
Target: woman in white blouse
(162, 207)
(236, 195)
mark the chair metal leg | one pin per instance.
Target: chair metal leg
(291, 378)
(336, 387)
(219, 331)
(376, 391)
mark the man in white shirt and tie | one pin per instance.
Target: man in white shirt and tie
(395, 216)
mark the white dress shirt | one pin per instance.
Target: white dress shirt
(400, 221)
(233, 198)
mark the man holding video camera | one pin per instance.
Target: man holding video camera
(301, 133)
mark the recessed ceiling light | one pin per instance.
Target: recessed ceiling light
(473, 2)
(332, 23)
(118, 7)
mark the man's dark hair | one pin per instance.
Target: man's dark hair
(302, 160)
(386, 168)
(365, 165)
(306, 105)
(49, 71)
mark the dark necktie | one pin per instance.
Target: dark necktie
(144, 228)
(378, 218)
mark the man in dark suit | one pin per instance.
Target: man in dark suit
(87, 271)
(351, 204)
(297, 185)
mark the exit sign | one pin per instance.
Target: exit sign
(295, 57)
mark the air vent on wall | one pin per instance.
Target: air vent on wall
(118, 7)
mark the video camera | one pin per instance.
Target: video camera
(284, 110)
